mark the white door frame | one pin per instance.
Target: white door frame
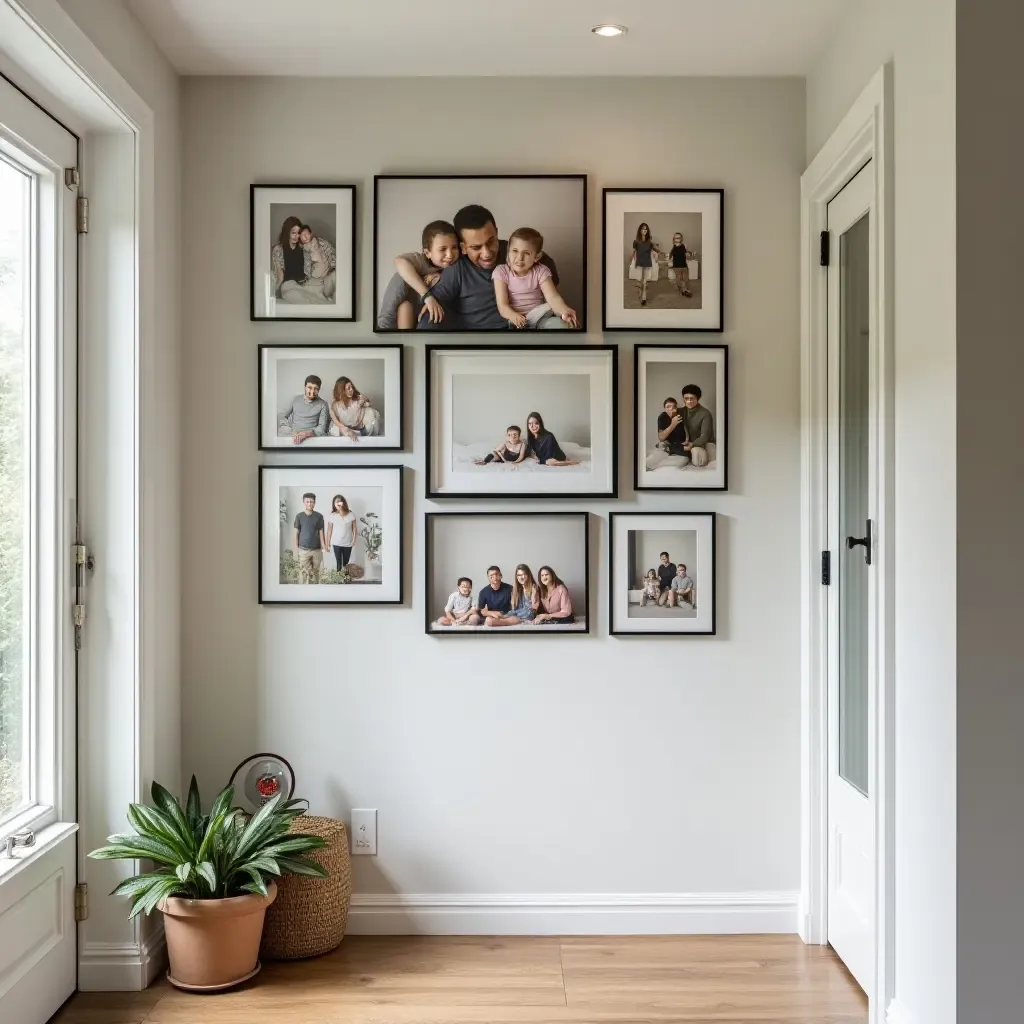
(864, 135)
(47, 54)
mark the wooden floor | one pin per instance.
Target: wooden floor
(749, 978)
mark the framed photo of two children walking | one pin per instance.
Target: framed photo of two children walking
(662, 259)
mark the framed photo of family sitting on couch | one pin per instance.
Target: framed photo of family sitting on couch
(680, 400)
(662, 259)
(521, 421)
(330, 535)
(303, 252)
(507, 573)
(662, 573)
(480, 253)
(337, 397)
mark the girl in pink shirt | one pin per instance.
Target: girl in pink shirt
(551, 600)
(525, 289)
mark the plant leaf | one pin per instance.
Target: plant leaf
(257, 883)
(193, 806)
(138, 883)
(260, 827)
(212, 831)
(168, 803)
(183, 871)
(252, 887)
(294, 843)
(265, 865)
(150, 821)
(137, 848)
(206, 872)
(300, 866)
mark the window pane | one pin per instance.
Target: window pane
(15, 208)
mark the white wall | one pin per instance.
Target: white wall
(990, 512)
(517, 773)
(918, 36)
(484, 407)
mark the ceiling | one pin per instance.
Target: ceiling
(488, 37)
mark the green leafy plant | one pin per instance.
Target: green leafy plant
(291, 572)
(208, 856)
(373, 535)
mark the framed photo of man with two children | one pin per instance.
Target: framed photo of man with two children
(480, 253)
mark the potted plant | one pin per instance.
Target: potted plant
(213, 878)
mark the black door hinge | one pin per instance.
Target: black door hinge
(825, 248)
(826, 568)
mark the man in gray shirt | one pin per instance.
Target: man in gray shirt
(309, 543)
(307, 416)
(466, 290)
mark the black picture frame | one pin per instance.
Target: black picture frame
(640, 326)
(721, 419)
(340, 449)
(433, 494)
(655, 517)
(398, 471)
(353, 249)
(431, 517)
(378, 285)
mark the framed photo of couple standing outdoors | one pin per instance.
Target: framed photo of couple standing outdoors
(303, 252)
(522, 421)
(663, 259)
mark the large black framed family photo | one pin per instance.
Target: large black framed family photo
(302, 263)
(330, 535)
(507, 573)
(522, 421)
(344, 398)
(479, 252)
(663, 259)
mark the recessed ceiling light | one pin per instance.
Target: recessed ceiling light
(609, 31)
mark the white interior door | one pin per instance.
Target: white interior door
(853, 597)
(38, 269)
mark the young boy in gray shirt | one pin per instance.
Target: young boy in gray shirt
(415, 274)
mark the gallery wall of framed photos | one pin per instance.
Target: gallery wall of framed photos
(648, 403)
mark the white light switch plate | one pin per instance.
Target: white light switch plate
(364, 831)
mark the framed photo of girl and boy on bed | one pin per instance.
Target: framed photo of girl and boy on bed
(521, 421)
(480, 253)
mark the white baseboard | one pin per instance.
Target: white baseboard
(896, 1014)
(574, 914)
(121, 966)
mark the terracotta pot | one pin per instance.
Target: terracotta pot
(214, 943)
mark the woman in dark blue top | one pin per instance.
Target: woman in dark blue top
(645, 259)
(544, 445)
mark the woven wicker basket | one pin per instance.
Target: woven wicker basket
(309, 915)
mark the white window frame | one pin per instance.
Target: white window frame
(45, 52)
(50, 469)
(864, 135)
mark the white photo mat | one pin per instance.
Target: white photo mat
(709, 206)
(596, 477)
(703, 573)
(711, 477)
(316, 355)
(265, 234)
(331, 480)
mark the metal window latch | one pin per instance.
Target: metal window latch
(26, 837)
(864, 542)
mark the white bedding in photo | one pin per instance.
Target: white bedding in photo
(673, 464)
(463, 456)
(578, 626)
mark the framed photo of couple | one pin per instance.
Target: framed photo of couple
(680, 400)
(303, 252)
(336, 397)
(330, 535)
(507, 573)
(663, 260)
(480, 253)
(522, 421)
(662, 574)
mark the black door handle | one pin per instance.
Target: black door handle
(852, 542)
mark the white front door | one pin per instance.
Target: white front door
(852, 521)
(38, 267)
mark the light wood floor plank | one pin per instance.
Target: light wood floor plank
(443, 980)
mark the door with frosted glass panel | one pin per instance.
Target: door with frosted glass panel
(851, 634)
